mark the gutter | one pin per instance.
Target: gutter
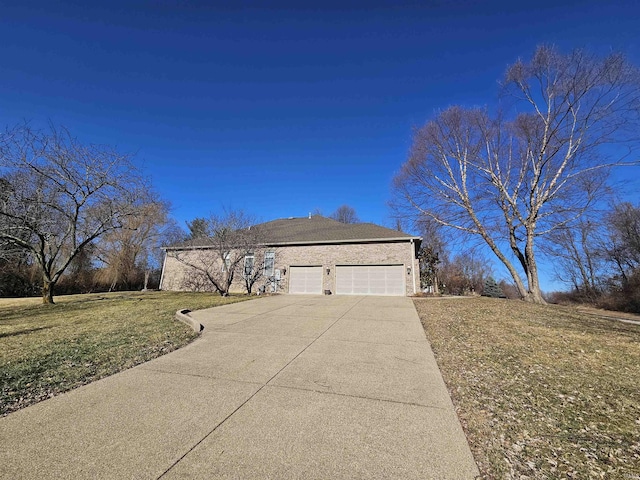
(355, 240)
(308, 242)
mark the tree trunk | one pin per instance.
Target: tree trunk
(47, 291)
(533, 294)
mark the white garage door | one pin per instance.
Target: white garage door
(305, 280)
(370, 280)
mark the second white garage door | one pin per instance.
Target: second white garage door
(305, 280)
(370, 280)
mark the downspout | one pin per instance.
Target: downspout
(164, 262)
(413, 265)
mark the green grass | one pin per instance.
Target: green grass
(542, 391)
(49, 349)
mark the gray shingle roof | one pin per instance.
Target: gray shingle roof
(322, 229)
(316, 229)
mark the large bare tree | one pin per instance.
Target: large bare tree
(59, 195)
(514, 175)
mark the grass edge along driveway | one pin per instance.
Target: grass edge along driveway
(49, 349)
(541, 391)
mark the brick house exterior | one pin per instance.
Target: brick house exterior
(320, 255)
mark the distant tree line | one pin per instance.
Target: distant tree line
(598, 258)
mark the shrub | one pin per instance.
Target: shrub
(492, 289)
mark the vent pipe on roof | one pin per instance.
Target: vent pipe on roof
(309, 215)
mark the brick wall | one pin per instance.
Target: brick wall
(327, 256)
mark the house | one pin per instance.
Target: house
(314, 255)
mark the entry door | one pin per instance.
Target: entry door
(305, 280)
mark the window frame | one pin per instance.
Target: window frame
(253, 265)
(272, 257)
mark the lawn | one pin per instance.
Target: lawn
(542, 391)
(49, 349)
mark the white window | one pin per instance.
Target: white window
(226, 266)
(249, 261)
(269, 263)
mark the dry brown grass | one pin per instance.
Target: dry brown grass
(49, 349)
(542, 391)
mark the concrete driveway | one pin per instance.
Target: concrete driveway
(285, 387)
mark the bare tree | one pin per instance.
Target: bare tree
(128, 252)
(17, 273)
(253, 268)
(576, 250)
(464, 274)
(510, 178)
(345, 214)
(622, 244)
(599, 258)
(14, 261)
(221, 257)
(61, 195)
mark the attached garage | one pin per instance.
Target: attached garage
(370, 280)
(305, 280)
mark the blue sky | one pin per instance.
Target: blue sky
(273, 107)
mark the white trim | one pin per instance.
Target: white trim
(244, 266)
(164, 262)
(413, 266)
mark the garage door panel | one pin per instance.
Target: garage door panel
(395, 281)
(370, 280)
(305, 280)
(344, 279)
(360, 280)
